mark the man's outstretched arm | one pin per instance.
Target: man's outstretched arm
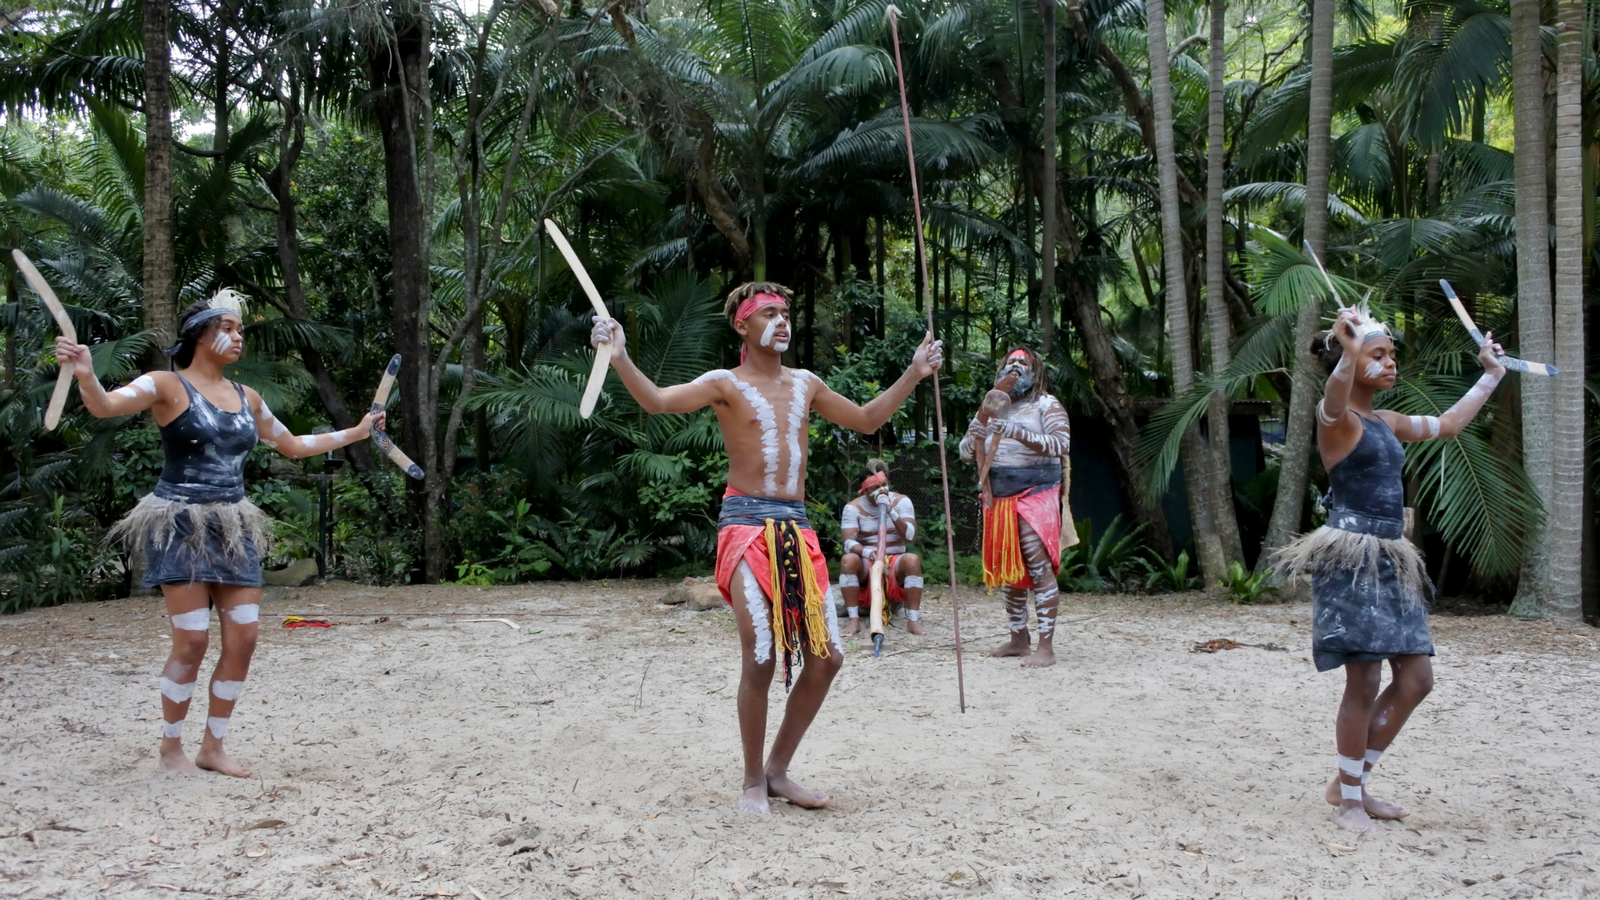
(677, 398)
(867, 419)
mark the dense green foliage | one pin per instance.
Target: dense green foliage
(686, 146)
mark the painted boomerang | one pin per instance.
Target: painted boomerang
(1510, 362)
(58, 400)
(602, 353)
(380, 399)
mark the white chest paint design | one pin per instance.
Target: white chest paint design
(765, 416)
(797, 422)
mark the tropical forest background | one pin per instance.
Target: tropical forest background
(1131, 186)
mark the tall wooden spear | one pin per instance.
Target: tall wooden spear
(892, 13)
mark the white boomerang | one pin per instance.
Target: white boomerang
(380, 399)
(1510, 362)
(58, 399)
(602, 353)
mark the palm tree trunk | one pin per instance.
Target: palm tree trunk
(1535, 327)
(1289, 504)
(1047, 211)
(1218, 321)
(1565, 584)
(160, 314)
(1198, 465)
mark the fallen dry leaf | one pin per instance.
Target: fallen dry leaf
(256, 854)
(266, 823)
(1338, 846)
(476, 893)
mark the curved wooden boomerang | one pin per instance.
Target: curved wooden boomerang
(1510, 362)
(380, 399)
(58, 399)
(602, 353)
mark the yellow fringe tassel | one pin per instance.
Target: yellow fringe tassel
(1002, 544)
(815, 599)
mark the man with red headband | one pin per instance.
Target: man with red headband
(769, 565)
(858, 529)
(1024, 507)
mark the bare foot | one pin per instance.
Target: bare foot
(851, 627)
(782, 786)
(754, 800)
(915, 627)
(1353, 818)
(1377, 809)
(1044, 656)
(174, 761)
(216, 759)
(1017, 646)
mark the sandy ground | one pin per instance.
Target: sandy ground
(591, 751)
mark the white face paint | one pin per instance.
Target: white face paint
(194, 620)
(217, 726)
(221, 342)
(245, 613)
(766, 334)
(177, 693)
(1374, 369)
(797, 424)
(227, 690)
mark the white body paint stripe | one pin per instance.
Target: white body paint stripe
(911, 581)
(194, 620)
(1374, 369)
(1349, 791)
(245, 613)
(766, 334)
(227, 690)
(217, 726)
(177, 693)
(848, 580)
(1351, 766)
(755, 602)
(797, 421)
(172, 729)
(221, 341)
(764, 415)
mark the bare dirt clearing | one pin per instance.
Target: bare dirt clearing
(589, 749)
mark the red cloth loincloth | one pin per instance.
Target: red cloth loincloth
(1042, 511)
(748, 543)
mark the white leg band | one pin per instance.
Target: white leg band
(853, 612)
(1350, 791)
(913, 615)
(1372, 763)
(245, 614)
(911, 581)
(177, 693)
(172, 729)
(217, 726)
(194, 620)
(227, 690)
(848, 580)
(1352, 766)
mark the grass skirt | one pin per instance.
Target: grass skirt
(1367, 593)
(188, 543)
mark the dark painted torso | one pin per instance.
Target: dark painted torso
(1370, 481)
(205, 448)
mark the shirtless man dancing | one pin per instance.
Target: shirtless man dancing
(770, 567)
(858, 529)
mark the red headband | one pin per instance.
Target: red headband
(757, 301)
(872, 481)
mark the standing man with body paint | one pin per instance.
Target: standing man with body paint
(1022, 519)
(858, 530)
(770, 567)
(1368, 584)
(201, 535)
